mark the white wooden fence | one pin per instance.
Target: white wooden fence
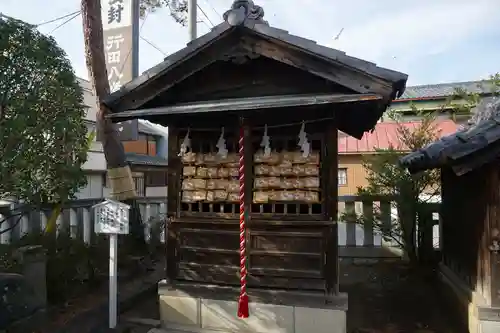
(354, 239)
(77, 219)
(366, 241)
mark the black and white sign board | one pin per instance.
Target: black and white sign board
(112, 218)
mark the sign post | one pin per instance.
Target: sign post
(112, 218)
(120, 29)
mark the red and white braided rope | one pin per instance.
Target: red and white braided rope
(243, 304)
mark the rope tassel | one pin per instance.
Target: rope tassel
(243, 300)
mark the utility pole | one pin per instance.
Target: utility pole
(192, 16)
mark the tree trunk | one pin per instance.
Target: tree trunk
(119, 172)
(96, 65)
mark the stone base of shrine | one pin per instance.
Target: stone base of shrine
(211, 308)
(468, 305)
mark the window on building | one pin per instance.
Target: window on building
(342, 174)
(140, 189)
(156, 178)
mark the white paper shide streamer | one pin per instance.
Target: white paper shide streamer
(303, 143)
(266, 143)
(221, 145)
(185, 145)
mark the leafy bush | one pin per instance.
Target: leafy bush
(72, 265)
(386, 178)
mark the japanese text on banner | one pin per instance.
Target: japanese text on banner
(114, 60)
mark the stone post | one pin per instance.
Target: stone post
(33, 262)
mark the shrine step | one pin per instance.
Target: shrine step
(290, 312)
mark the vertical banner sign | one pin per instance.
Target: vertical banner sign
(120, 25)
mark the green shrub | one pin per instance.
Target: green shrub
(73, 266)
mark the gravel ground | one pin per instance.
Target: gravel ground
(383, 298)
(388, 298)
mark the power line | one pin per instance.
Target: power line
(205, 23)
(213, 8)
(65, 22)
(205, 14)
(338, 35)
(58, 18)
(154, 46)
(131, 48)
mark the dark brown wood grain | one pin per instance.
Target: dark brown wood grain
(469, 214)
(173, 193)
(493, 234)
(328, 70)
(144, 94)
(329, 165)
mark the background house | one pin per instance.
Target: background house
(351, 172)
(146, 155)
(433, 97)
(426, 98)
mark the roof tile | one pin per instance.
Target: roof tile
(445, 89)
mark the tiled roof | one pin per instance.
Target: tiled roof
(464, 150)
(384, 136)
(141, 159)
(260, 28)
(445, 89)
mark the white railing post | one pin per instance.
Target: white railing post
(87, 228)
(368, 223)
(386, 222)
(73, 223)
(350, 225)
(163, 216)
(24, 226)
(43, 221)
(59, 223)
(5, 225)
(147, 222)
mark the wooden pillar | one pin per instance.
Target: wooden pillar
(495, 280)
(173, 200)
(247, 145)
(493, 234)
(425, 233)
(330, 206)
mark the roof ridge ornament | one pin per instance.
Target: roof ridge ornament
(242, 10)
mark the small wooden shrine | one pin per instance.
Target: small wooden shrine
(469, 220)
(253, 114)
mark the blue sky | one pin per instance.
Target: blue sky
(434, 41)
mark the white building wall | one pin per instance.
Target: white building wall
(96, 162)
(95, 159)
(157, 191)
(89, 100)
(93, 189)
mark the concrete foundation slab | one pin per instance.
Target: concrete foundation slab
(193, 308)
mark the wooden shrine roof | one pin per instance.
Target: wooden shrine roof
(248, 104)
(245, 20)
